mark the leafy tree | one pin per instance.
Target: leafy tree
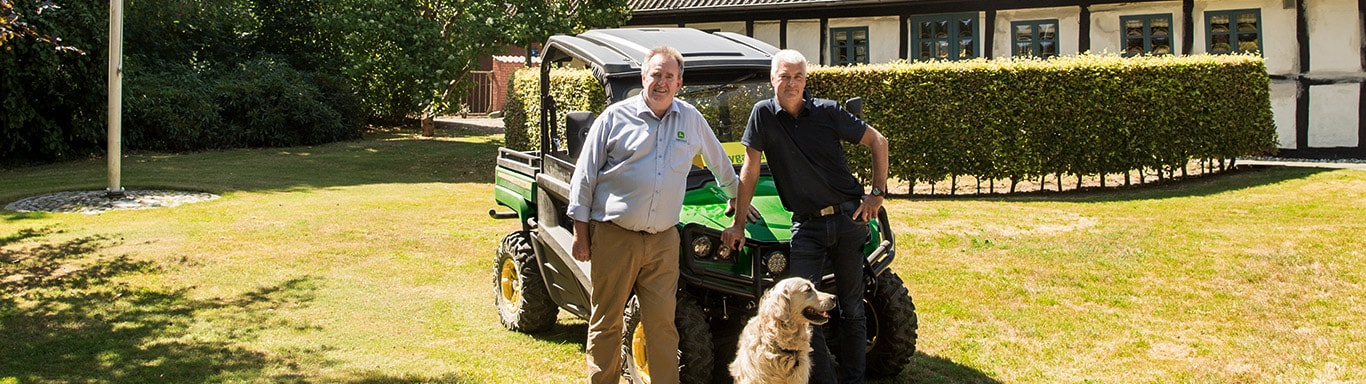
(414, 56)
(52, 84)
(13, 25)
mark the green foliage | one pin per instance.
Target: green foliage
(52, 99)
(572, 89)
(232, 73)
(203, 36)
(271, 104)
(174, 110)
(413, 55)
(1085, 115)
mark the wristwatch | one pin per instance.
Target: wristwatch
(877, 192)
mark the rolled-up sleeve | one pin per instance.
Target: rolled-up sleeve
(717, 161)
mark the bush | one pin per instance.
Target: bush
(1086, 115)
(270, 104)
(174, 110)
(52, 101)
(572, 89)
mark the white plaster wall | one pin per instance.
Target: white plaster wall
(805, 37)
(1283, 107)
(736, 27)
(884, 36)
(1334, 36)
(768, 32)
(1280, 46)
(1107, 34)
(1069, 28)
(1333, 115)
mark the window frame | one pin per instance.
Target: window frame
(1147, 34)
(851, 49)
(954, 38)
(1035, 42)
(1233, 32)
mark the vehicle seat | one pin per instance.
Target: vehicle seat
(577, 124)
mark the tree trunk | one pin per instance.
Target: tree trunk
(428, 125)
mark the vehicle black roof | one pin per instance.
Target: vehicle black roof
(618, 52)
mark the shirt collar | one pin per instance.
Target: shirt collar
(642, 108)
(808, 103)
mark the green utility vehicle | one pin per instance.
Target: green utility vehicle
(535, 276)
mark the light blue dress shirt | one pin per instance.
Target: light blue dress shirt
(633, 168)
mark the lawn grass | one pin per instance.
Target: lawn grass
(370, 262)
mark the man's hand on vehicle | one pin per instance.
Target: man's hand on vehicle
(752, 217)
(733, 236)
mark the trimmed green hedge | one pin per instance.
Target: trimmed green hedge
(1015, 119)
(572, 89)
(1084, 115)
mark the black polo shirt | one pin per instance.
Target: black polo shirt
(804, 152)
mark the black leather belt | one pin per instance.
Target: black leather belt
(845, 207)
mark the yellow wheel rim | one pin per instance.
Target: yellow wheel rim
(511, 285)
(638, 354)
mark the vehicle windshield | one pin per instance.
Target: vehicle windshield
(726, 106)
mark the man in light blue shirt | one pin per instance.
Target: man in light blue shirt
(625, 197)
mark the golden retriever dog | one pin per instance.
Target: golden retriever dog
(775, 346)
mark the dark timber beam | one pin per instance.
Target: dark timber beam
(1187, 26)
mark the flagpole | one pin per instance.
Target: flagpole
(115, 145)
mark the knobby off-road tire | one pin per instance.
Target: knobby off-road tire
(891, 328)
(695, 359)
(519, 293)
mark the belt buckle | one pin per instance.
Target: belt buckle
(827, 211)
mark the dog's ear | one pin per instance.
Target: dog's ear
(776, 302)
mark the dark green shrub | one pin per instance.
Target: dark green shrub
(52, 97)
(270, 104)
(171, 110)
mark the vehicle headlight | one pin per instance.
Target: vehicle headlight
(723, 252)
(776, 262)
(701, 247)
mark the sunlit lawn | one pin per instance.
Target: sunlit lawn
(370, 261)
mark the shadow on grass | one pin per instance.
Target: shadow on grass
(68, 315)
(933, 369)
(1243, 177)
(572, 333)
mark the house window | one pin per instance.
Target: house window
(1037, 38)
(849, 46)
(944, 37)
(1148, 34)
(1233, 31)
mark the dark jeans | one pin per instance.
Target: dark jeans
(835, 240)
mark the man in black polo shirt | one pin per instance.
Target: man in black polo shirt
(801, 137)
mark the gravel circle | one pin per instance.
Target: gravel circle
(92, 202)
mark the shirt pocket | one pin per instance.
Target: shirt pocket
(680, 155)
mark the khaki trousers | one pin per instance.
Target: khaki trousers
(623, 260)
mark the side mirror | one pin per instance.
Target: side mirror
(577, 124)
(854, 106)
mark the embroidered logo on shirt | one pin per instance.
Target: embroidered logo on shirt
(681, 137)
